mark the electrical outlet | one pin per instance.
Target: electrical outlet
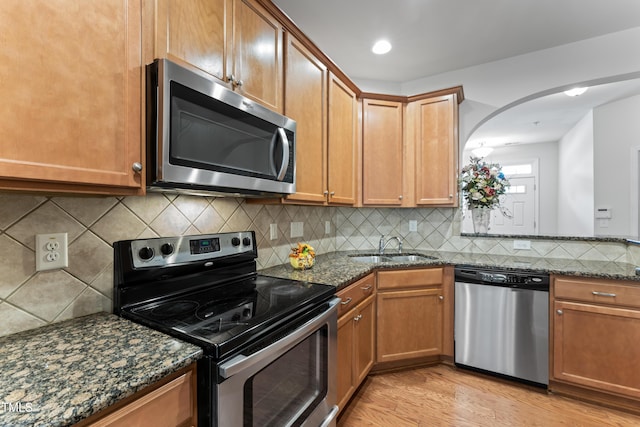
(327, 227)
(522, 244)
(273, 231)
(51, 251)
(297, 229)
(413, 225)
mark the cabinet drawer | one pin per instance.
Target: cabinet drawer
(355, 293)
(409, 278)
(597, 291)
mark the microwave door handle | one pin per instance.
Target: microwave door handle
(285, 154)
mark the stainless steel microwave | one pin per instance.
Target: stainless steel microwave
(203, 138)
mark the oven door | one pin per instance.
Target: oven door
(290, 382)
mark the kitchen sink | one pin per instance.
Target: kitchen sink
(372, 259)
(408, 258)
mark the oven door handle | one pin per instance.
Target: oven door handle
(241, 362)
(332, 415)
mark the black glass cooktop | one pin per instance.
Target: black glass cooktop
(229, 315)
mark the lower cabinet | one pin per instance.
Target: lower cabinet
(596, 340)
(410, 314)
(356, 337)
(168, 404)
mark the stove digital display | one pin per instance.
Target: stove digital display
(204, 246)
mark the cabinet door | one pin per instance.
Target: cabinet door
(436, 151)
(71, 96)
(193, 31)
(345, 347)
(365, 340)
(382, 153)
(409, 324)
(173, 404)
(343, 120)
(256, 55)
(597, 346)
(306, 89)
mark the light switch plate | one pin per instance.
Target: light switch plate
(327, 227)
(273, 231)
(413, 225)
(297, 229)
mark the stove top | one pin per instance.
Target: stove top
(214, 299)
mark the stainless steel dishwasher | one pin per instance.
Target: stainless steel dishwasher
(502, 323)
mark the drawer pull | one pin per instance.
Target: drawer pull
(366, 288)
(603, 294)
(345, 302)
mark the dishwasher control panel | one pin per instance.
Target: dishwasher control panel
(502, 277)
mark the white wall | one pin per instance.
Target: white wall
(547, 155)
(576, 180)
(491, 86)
(617, 135)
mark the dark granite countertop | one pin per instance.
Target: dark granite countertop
(62, 373)
(339, 269)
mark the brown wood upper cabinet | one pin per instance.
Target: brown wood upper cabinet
(383, 165)
(410, 149)
(342, 143)
(237, 41)
(71, 90)
(325, 111)
(306, 103)
(432, 132)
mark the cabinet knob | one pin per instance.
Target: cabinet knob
(559, 312)
(137, 167)
(451, 196)
(440, 297)
(239, 83)
(333, 193)
(326, 192)
(400, 197)
(358, 317)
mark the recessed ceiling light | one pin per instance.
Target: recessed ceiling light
(576, 91)
(381, 47)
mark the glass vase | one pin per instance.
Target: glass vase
(481, 217)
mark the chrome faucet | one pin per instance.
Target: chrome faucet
(382, 245)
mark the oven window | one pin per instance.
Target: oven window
(290, 388)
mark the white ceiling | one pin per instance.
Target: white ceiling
(435, 36)
(431, 37)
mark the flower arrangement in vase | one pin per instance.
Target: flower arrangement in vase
(482, 185)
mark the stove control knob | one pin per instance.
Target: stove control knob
(235, 241)
(246, 241)
(145, 253)
(166, 249)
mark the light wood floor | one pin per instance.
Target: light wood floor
(445, 396)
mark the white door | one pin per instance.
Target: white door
(519, 201)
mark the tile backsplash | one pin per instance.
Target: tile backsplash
(30, 299)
